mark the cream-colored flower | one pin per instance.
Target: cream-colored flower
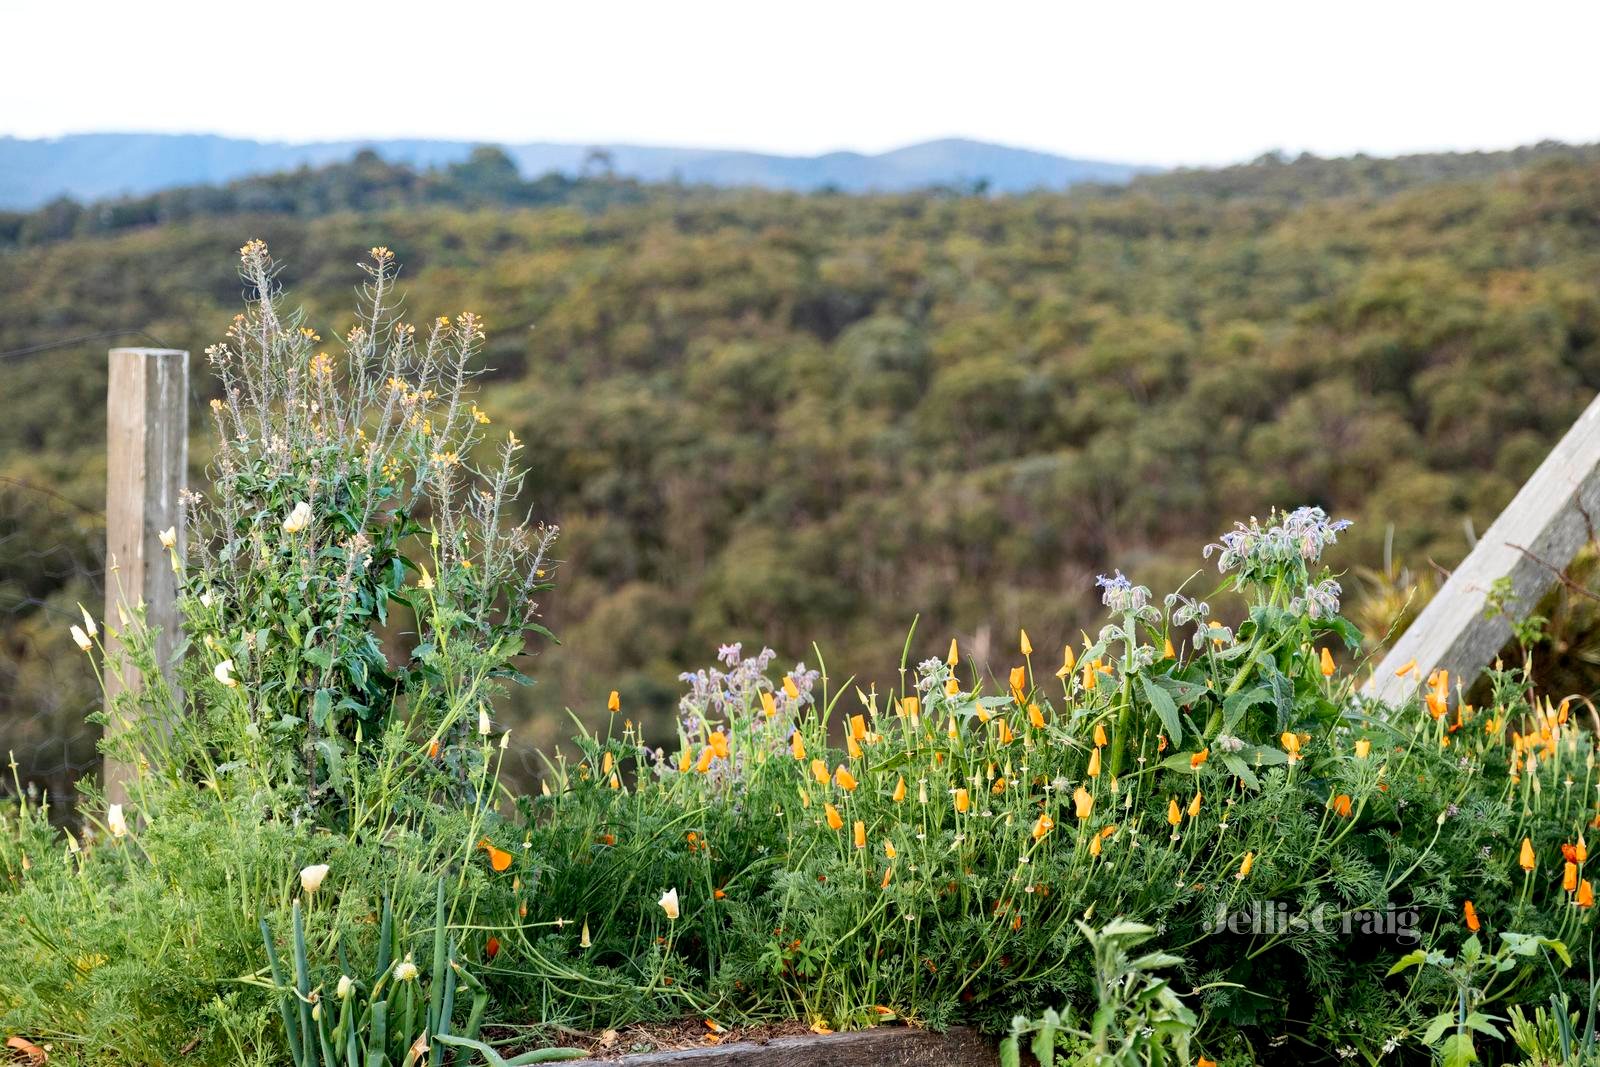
(223, 672)
(88, 622)
(346, 987)
(505, 740)
(169, 537)
(669, 903)
(311, 877)
(406, 971)
(298, 519)
(80, 638)
(116, 822)
(484, 725)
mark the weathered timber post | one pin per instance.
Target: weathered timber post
(1535, 536)
(147, 457)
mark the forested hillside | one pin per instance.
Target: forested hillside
(783, 418)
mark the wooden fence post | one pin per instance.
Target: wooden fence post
(1535, 536)
(147, 458)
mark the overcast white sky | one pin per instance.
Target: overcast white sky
(1194, 82)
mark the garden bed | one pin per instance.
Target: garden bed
(791, 1046)
(1188, 835)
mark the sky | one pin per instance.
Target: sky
(1193, 83)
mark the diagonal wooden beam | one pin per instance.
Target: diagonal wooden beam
(1538, 533)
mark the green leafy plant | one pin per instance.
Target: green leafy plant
(1139, 1021)
(1470, 974)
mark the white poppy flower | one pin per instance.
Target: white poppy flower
(169, 537)
(669, 903)
(116, 822)
(88, 621)
(223, 672)
(298, 519)
(80, 638)
(311, 877)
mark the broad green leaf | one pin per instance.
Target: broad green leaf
(1161, 700)
(1410, 959)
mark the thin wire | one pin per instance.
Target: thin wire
(31, 349)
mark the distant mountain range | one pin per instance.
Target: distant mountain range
(95, 166)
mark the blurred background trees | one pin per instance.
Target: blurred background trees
(797, 418)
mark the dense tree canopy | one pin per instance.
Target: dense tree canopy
(789, 419)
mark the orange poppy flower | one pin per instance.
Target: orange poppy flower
(1471, 915)
(499, 858)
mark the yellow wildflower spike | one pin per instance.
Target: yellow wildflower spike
(1194, 807)
(1363, 748)
(888, 848)
(859, 832)
(1006, 736)
(1035, 717)
(952, 686)
(1100, 739)
(1094, 846)
(963, 801)
(769, 706)
(1094, 764)
(899, 790)
(835, 820)
(1167, 651)
(790, 690)
(955, 654)
(1526, 857)
(910, 706)
(1248, 862)
(704, 763)
(1025, 644)
(1174, 813)
(614, 702)
(858, 727)
(1327, 664)
(797, 746)
(853, 747)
